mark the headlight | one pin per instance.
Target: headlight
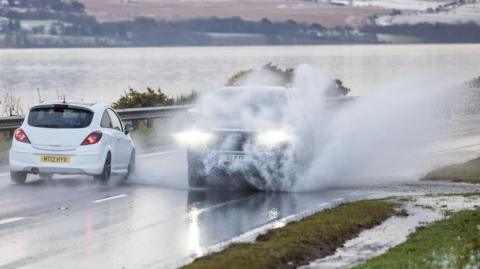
(193, 138)
(274, 138)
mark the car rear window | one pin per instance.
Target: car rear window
(63, 117)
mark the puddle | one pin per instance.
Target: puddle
(421, 210)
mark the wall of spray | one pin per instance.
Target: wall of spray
(371, 139)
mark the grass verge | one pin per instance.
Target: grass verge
(468, 172)
(450, 243)
(299, 242)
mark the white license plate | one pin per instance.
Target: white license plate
(232, 158)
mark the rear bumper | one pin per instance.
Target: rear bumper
(82, 161)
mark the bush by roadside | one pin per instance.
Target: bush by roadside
(151, 98)
(475, 83)
(274, 75)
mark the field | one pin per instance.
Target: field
(275, 10)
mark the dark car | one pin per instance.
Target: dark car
(244, 138)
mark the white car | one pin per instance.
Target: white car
(72, 138)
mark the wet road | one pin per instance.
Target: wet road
(155, 221)
(76, 224)
(73, 223)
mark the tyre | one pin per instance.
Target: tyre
(18, 177)
(104, 177)
(196, 171)
(130, 169)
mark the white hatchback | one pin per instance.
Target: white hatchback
(72, 138)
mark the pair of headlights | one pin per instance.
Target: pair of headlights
(270, 138)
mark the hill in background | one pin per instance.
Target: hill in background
(323, 13)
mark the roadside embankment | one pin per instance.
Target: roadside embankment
(425, 231)
(299, 242)
(468, 172)
(421, 213)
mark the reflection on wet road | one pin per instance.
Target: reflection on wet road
(78, 224)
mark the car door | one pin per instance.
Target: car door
(111, 135)
(122, 140)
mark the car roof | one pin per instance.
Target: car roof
(94, 107)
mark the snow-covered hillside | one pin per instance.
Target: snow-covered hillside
(462, 14)
(391, 4)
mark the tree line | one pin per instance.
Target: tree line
(144, 31)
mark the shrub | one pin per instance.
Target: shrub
(277, 76)
(475, 83)
(186, 99)
(10, 105)
(136, 99)
(268, 75)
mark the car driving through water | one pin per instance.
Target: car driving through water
(244, 138)
(72, 138)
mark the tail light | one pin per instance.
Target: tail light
(92, 138)
(21, 136)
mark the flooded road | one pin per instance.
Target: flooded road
(156, 221)
(75, 223)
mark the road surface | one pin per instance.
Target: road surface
(155, 221)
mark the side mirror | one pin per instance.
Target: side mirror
(129, 128)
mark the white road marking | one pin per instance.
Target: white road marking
(160, 153)
(4, 174)
(109, 198)
(7, 221)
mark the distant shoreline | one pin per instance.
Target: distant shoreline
(248, 46)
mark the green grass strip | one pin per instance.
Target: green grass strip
(299, 242)
(450, 243)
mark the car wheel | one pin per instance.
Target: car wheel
(196, 171)
(104, 177)
(18, 177)
(130, 169)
